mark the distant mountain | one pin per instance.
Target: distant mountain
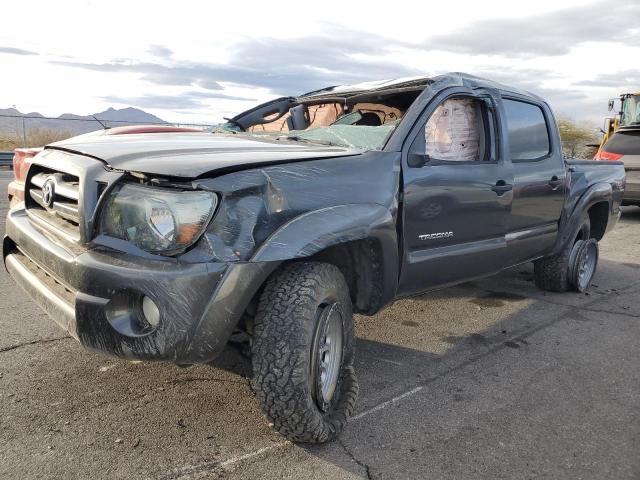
(11, 121)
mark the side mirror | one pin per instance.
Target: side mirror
(612, 104)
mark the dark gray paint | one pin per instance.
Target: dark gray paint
(192, 155)
(281, 201)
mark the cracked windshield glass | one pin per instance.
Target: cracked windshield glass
(363, 126)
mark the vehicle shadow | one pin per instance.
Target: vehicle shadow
(511, 297)
(505, 290)
(387, 370)
(631, 214)
(423, 342)
(236, 359)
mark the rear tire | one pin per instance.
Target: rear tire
(553, 273)
(583, 262)
(302, 351)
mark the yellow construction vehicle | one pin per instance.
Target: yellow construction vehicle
(627, 117)
(621, 143)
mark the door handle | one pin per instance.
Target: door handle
(501, 187)
(555, 182)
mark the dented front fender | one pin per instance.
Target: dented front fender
(314, 231)
(296, 210)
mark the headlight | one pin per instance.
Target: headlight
(158, 220)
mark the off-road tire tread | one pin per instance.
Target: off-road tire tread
(280, 350)
(552, 273)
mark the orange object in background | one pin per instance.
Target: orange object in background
(21, 161)
(607, 156)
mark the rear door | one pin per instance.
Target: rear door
(457, 193)
(539, 177)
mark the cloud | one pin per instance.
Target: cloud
(552, 33)
(339, 55)
(224, 96)
(16, 51)
(183, 101)
(184, 74)
(208, 84)
(627, 79)
(284, 66)
(524, 79)
(160, 51)
(570, 101)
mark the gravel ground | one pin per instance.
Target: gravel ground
(491, 379)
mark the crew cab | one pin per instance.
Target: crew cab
(294, 215)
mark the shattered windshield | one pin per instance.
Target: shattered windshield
(352, 136)
(360, 123)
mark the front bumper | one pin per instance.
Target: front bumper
(95, 295)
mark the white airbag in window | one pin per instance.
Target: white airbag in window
(453, 131)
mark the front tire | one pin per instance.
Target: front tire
(302, 351)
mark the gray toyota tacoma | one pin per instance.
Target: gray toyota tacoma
(160, 244)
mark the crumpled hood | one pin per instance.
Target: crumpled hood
(192, 154)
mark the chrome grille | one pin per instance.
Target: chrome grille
(53, 197)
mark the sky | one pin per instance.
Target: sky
(200, 61)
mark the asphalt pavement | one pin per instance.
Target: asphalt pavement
(490, 379)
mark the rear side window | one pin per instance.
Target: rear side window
(528, 133)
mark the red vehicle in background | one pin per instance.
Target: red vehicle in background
(21, 161)
(22, 156)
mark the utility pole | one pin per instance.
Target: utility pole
(24, 130)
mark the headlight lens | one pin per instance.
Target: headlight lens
(158, 220)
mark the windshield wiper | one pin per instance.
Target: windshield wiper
(298, 138)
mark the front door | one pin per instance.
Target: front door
(457, 194)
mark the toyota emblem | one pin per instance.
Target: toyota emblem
(48, 193)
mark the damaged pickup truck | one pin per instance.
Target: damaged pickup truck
(159, 245)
